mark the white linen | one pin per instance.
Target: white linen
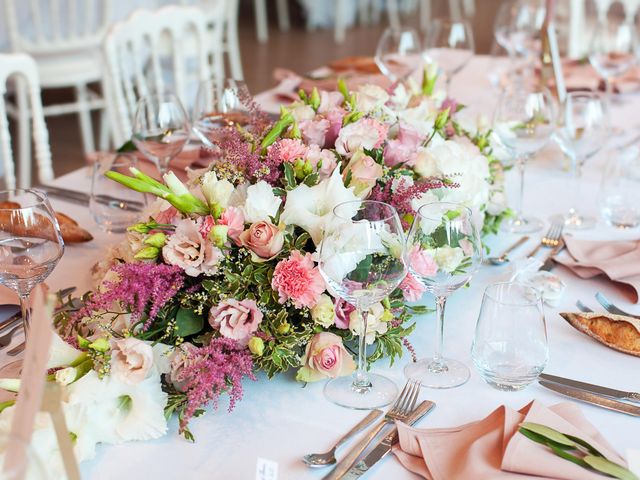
(280, 420)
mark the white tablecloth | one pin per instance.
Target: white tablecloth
(279, 420)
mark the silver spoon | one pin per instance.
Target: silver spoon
(504, 258)
(329, 458)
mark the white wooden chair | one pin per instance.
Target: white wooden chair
(24, 66)
(262, 23)
(64, 38)
(156, 51)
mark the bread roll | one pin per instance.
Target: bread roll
(616, 331)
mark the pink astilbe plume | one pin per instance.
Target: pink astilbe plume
(139, 287)
(211, 370)
(237, 151)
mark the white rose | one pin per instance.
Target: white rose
(448, 258)
(323, 312)
(216, 191)
(370, 98)
(261, 203)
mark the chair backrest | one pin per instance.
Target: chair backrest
(54, 26)
(25, 66)
(168, 49)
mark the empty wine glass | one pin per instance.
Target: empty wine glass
(361, 260)
(510, 347)
(30, 246)
(398, 53)
(160, 128)
(219, 106)
(584, 132)
(613, 49)
(620, 191)
(524, 120)
(443, 252)
(450, 45)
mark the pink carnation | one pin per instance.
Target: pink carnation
(421, 262)
(290, 149)
(206, 225)
(297, 279)
(412, 289)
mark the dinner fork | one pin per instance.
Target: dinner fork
(400, 410)
(582, 307)
(611, 308)
(551, 239)
(5, 340)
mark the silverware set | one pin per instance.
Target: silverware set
(83, 198)
(552, 239)
(371, 448)
(607, 305)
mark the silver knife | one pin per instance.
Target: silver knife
(385, 445)
(589, 387)
(592, 398)
(84, 198)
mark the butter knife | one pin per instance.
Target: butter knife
(385, 445)
(589, 387)
(592, 398)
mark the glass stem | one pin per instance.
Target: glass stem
(361, 382)
(520, 161)
(25, 307)
(608, 89)
(577, 183)
(437, 364)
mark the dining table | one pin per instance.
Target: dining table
(279, 420)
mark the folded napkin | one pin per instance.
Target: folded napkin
(582, 76)
(493, 449)
(620, 261)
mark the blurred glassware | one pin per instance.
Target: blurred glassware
(620, 191)
(113, 206)
(443, 252)
(160, 128)
(524, 120)
(219, 106)
(510, 347)
(450, 45)
(398, 53)
(517, 27)
(361, 261)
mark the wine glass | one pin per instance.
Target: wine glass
(583, 134)
(619, 197)
(30, 246)
(524, 121)
(613, 49)
(160, 128)
(443, 252)
(398, 53)
(450, 45)
(219, 106)
(361, 260)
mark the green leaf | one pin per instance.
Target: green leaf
(188, 322)
(592, 450)
(607, 467)
(289, 175)
(548, 433)
(567, 456)
(127, 146)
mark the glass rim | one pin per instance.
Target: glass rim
(488, 292)
(466, 210)
(392, 211)
(42, 197)
(155, 96)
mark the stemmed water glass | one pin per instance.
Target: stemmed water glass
(443, 252)
(583, 134)
(450, 45)
(218, 106)
(361, 260)
(30, 246)
(160, 128)
(524, 120)
(398, 53)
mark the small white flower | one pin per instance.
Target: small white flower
(448, 258)
(376, 324)
(323, 312)
(261, 203)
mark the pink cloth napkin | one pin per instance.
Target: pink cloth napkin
(620, 261)
(493, 449)
(582, 76)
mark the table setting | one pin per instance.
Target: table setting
(402, 274)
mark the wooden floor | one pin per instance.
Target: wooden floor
(299, 50)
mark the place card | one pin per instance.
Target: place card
(266, 469)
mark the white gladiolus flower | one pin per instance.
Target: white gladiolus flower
(217, 192)
(175, 185)
(260, 203)
(65, 376)
(61, 353)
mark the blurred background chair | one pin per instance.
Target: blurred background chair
(12, 65)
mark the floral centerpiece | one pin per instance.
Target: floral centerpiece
(219, 280)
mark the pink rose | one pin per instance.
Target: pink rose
(181, 358)
(264, 239)
(189, 250)
(297, 279)
(421, 262)
(365, 172)
(325, 357)
(131, 360)
(236, 319)
(365, 133)
(327, 157)
(412, 289)
(399, 150)
(233, 218)
(343, 313)
(314, 131)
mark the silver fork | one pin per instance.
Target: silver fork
(582, 307)
(551, 239)
(5, 340)
(611, 308)
(400, 410)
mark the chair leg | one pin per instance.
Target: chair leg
(84, 115)
(340, 21)
(394, 16)
(284, 23)
(24, 133)
(105, 132)
(262, 28)
(364, 11)
(454, 10)
(425, 14)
